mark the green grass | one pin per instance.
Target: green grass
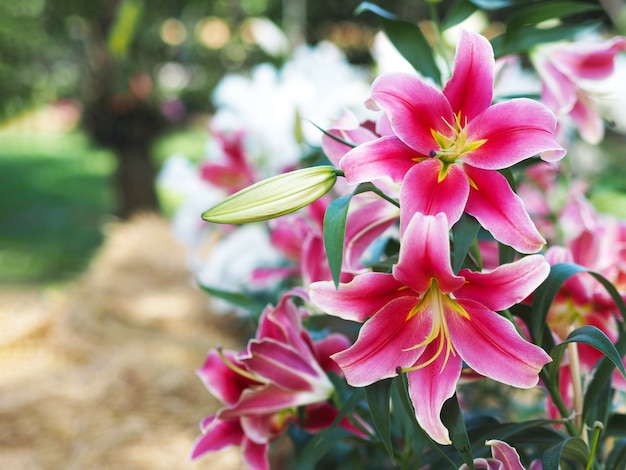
(54, 195)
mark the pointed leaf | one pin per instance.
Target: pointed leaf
(493, 4)
(236, 298)
(617, 457)
(601, 377)
(457, 12)
(413, 445)
(595, 338)
(408, 39)
(464, 232)
(326, 439)
(544, 11)
(335, 233)
(378, 399)
(406, 403)
(529, 36)
(318, 446)
(545, 294)
(572, 448)
(616, 425)
(452, 418)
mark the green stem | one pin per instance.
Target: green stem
(364, 187)
(597, 429)
(555, 394)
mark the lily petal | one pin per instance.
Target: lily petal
(375, 356)
(491, 345)
(283, 366)
(430, 387)
(255, 455)
(222, 434)
(223, 382)
(414, 109)
(470, 89)
(425, 255)
(322, 416)
(326, 347)
(514, 131)
(348, 129)
(364, 225)
(506, 454)
(501, 211)
(385, 156)
(421, 191)
(358, 299)
(270, 399)
(506, 285)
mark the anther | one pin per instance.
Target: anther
(432, 154)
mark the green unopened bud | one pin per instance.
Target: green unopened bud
(274, 197)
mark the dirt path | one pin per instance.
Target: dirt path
(100, 374)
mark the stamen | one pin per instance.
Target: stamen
(456, 145)
(236, 369)
(439, 329)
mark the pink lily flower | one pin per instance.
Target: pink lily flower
(425, 320)
(229, 168)
(301, 238)
(566, 70)
(447, 145)
(504, 457)
(263, 387)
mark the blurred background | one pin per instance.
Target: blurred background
(101, 325)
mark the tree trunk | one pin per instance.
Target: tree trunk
(128, 127)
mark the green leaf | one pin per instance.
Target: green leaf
(318, 446)
(527, 37)
(545, 294)
(571, 449)
(335, 220)
(326, 439)
(464, 232)
(459, 11)
(236, 298)
(533, 431)
(408, 39)
(493, 4)
(601, 408)
(452, 418)
(601, 377)
(616, 425)
(506, 253)
(539, 12)
(617, 457)
(378, 399)
(402, 388)
(412, 446)
(597, 339)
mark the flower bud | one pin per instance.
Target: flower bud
(274, 197)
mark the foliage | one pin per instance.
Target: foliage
(54, 193)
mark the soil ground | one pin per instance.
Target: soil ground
(100, 373)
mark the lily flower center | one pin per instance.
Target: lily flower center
(434, 303)
(453, 144)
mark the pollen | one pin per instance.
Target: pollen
(454, 144)
(434, 304)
